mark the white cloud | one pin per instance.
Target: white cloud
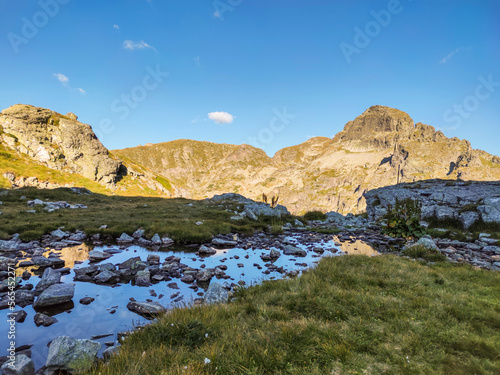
(217, 14)
(450, 55)
(62, 78)
(116, 27)
(131, 45)
(197, 60)
(221, 117)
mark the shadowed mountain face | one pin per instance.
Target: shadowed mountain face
(381, 147)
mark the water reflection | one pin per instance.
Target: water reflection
(355, 247)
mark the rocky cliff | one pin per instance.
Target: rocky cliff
(45, 149)
(59, 142)
(381, 147)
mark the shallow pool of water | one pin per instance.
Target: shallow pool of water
(108, 314)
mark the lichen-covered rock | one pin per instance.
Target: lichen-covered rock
(22, 365)
(216, 293)
(73, 355)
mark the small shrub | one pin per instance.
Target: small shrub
(276, 229)
(403, 220)
(314, 215)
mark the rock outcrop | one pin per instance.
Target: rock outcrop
(381, 147)
(58, 142)
(465, 201)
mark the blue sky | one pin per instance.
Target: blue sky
(268, 73)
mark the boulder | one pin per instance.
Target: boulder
(146, 308)
(125, 238)
(87, 300)
(143, 278)
(72, 355)
(206, 250)
(44, 320)
(216, 294)
(166, 241)
(274, 254)
(98, 255)
(468, 218)
(138, 233)
(55, 295)
(18, 316)
(250, 214)
(222, 242)
(49, 277)
(156, 239)
(58, 235)
(22, 365)
(292, 250)
(204, 276)
(106, 277)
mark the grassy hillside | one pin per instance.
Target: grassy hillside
(350, 315)
(167, 217)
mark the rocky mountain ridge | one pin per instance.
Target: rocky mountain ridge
(381, 147)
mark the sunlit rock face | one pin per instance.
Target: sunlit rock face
(381, 147)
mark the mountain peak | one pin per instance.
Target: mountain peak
(377, 127)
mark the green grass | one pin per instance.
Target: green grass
(325, 230)
(419, 251)
(350, 315)
(315, 215)
(167, 217)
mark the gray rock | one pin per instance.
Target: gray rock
(292, 250)
(223, 242)
(143, 278)
(167, 241)
(87, 300)
(468, 218)
(18, 316)
(98, 255)
(274, 254)
(138, 233)
(250, 214)
(23, 365)
(204, 276)
(216, 293)
(206, 250)
(490, 209)
(425, 241)
(493, 249)
(106, 277)
(49, 277)
(44, 320)
(298, 223)
(444, 212)
(24, 297)
(55, 295)
(153, 259)
(8, 246)
(58, 235)
(146, 308)
(111, 351)
(125, 238)
(156, 239)
(66, 353)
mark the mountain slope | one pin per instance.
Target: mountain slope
(42, 148)
(381, 147)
